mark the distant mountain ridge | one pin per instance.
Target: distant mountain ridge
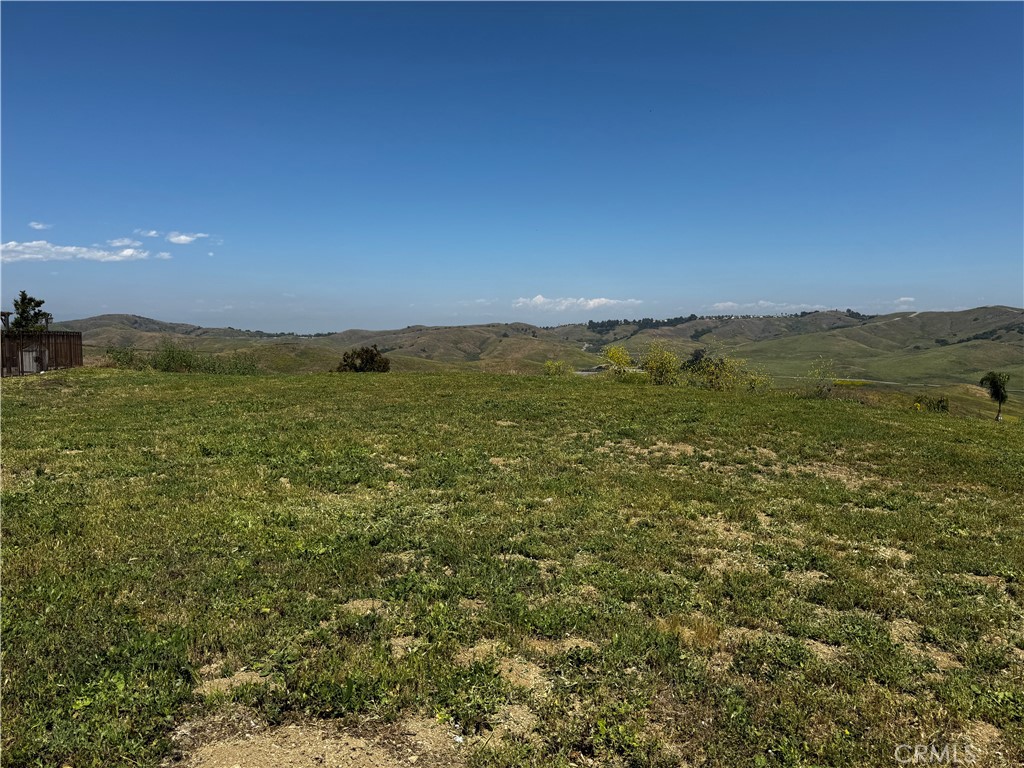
(915, 346)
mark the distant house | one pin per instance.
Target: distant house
(25, 352)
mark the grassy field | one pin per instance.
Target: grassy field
(559, 571)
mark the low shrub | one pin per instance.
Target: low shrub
(364, 360)
(933, 404)
(169, 357)
(556, 368)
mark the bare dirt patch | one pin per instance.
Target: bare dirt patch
(548, 568)
(556, 647)
(315, 744)
(403, 646)
(363, 606)
(823, 651)
(997, 583)
(987, 749)
(213, 684)
(904, 631)
(524, 674)
(514, 670)
(482, 650)
(907, 633)
(472, 606)
(847, 476)
(514, 721)
(806, 578)
(894, 553)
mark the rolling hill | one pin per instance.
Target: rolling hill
(905, 347)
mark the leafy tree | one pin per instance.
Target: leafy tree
(996, 383)
(27, 314)
(661, 365)
(618, 358)
(364, 360)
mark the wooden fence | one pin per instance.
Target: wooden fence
(27, 352)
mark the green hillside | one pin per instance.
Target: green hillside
(909, 348)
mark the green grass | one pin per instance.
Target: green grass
(760, 580)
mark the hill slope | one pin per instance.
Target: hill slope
(920, 347)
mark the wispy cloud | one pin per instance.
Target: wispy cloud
(123, 242)
(565, 304)
(765, 306)
(184, 238)
(905, 300)
(148, 232)
(162, 255)
(39, 225)
(41, 250)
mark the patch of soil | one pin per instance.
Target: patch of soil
(986, 747)
(823, 651)
(806, 578)
(316, 744)
(515, 721)
(212, 684)
(363, 606)
(403, 646)
(556, 647)
(894, 553)
(472, 606)
(482, 650)
(515, 671)
(524, 674)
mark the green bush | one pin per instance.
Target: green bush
(719, 372)
(364, 360)
(934, 404)
(127, 357)
(556, 368)
(618, 359)
(660, 365)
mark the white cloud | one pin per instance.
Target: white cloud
(184, 238)
(40, 250)
(905, 300)
(761, 305)
(121, 242)
(39, 225)
(148, 232)
(563, 304)
(210, 253)
(162, 255)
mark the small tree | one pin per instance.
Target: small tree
(364, 360)
(618, 358)
(27, 314)
(996, 383)
(661, 366)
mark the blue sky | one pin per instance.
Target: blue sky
(313, 167)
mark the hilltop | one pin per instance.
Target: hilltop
(907, 347)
